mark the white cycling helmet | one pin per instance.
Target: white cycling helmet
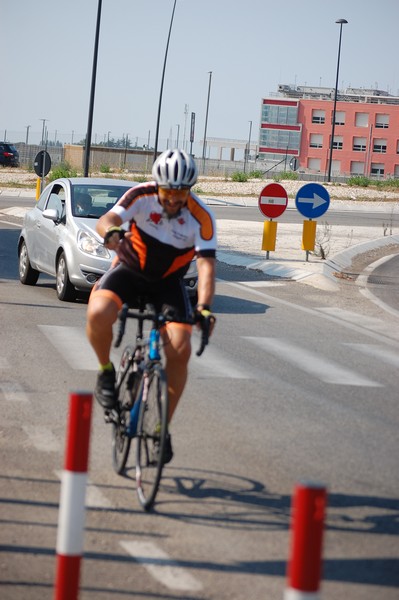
(174, 169)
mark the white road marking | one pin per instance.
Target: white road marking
(161, 566)
(312, 363)
(352, 317)
(42, 438)
(72, 344)
(378, 352)
(213, 364)
(13, 392)
(260, 284)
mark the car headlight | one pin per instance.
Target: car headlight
(89, 244)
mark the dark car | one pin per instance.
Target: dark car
(9, 156)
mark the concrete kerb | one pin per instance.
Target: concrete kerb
(342, 260)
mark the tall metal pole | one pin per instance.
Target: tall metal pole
(162, 80)
(92, 93)
(206, 122)
(246, 158)
(43, 131)
(341, 22)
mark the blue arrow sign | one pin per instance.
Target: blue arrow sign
(312, 200)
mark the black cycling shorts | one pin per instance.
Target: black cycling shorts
(130, 286)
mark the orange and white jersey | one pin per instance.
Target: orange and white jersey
(160, 247)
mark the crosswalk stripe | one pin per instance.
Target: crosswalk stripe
(213, 364)
(378, 352)
(311, 363)
(161, 566)
(72, 344)
(42, 438)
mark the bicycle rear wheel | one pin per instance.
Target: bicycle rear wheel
(151, 435)
(121, 439)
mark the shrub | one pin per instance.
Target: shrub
(359, 181)
(105, 169)
(290, 175)
(255, 175)
(240, 176)
(62, 170)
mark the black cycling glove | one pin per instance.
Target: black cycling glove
(110, 232)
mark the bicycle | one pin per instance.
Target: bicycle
(142, 406)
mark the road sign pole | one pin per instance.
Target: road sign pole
(269, 236)
(309, 236)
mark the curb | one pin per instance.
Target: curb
(342, 260)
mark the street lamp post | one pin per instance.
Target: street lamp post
(92, 93)
(43, 131)
(206, 122)
(341, 22)
(162, 80)
(27, 134)
(246, 158)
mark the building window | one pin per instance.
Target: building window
(380, 146)
(279, 115)
(357, 168)
(339, 118)
(318, 116)
(382, 121)
(316, 140)
(377, 169)
(338, 142)
(314, 164)
(361, 119)
(280, 139)
(359, 144)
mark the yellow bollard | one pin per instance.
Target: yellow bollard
(38, 188)
(309, 235)
(269, 235)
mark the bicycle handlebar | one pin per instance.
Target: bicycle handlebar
(159, 319)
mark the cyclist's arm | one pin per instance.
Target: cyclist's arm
(104, 223)
(206, 280)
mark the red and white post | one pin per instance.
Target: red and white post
(307, 524)
(72, 501)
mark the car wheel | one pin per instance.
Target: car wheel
(27, 274)
(65, 289)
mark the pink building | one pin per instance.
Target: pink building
(299, 124)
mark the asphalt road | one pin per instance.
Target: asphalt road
(296, 384)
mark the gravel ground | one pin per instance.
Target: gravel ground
(12, 178)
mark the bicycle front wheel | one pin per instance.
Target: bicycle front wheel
(121, 419)
(151, 435)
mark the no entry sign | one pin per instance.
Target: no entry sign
(273, 200)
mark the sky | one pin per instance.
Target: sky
(250, 47)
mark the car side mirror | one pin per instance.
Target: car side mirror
(52, 214)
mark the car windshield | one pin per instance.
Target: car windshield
(92, 201)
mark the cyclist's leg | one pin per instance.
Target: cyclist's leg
(117, 286)
(105, 302)
(177, 347)
(176, 338)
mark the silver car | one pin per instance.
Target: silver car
(59, 238)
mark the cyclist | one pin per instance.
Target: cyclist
(168, 226)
